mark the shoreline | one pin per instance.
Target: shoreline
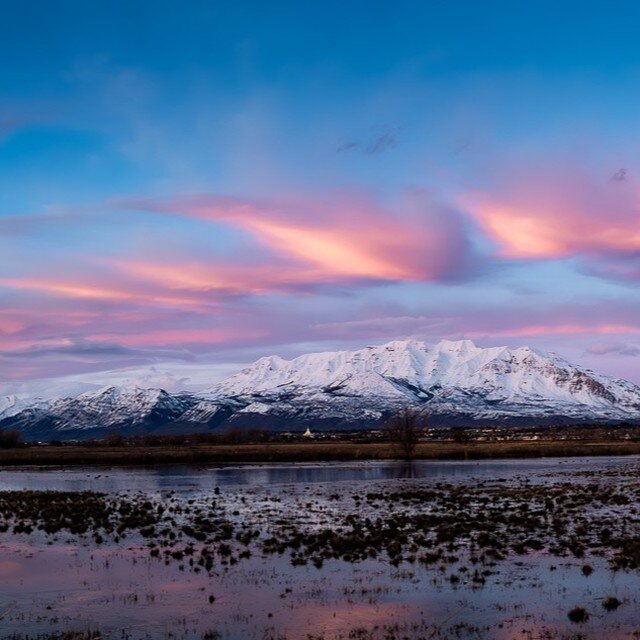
(78, 455)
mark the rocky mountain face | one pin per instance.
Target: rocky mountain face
(455, 382)
(111, 409)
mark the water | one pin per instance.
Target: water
(49, 585)
(188, 479)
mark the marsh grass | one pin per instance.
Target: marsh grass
(308, 452)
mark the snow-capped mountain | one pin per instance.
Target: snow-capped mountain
(452, 381)
(12, 404)
(107, 409)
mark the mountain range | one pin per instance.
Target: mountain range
(455, 382)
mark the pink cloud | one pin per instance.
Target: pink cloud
(110, 291)
(559, 328)
(346, 238)
(560, 211)
(218, 277)
(183, 336)
(261, 297)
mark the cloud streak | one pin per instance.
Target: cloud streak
(313, 270)
(602, 349)
(347, 239)
(559, 212)
(372, 145)
(88, 349)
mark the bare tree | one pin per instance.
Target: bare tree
(404, 430)
(461, 435)
(114, 439)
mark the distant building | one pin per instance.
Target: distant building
(307, 433)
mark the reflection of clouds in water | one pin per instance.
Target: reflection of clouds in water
(9, 568)
(339, 616)
(113, 585)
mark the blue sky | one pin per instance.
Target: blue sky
(215, 181)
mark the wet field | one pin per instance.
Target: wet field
(502, 549)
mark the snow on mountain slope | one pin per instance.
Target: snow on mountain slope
(114, 405)
(453, 380)
(109, 407)
(452, 377)
(10, 405)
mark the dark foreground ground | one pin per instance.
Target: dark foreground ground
(306, 452)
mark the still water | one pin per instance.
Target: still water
(188, 479)
(63, 583)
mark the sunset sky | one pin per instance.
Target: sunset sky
(202, 183)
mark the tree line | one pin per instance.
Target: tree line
(403, 431)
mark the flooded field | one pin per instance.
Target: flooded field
(502, 549)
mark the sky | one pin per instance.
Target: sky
(186, 186)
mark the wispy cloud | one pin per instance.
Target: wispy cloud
(89, 349)
(348, 238)
(601, 349)
(620, 175)
(302, 267)
(561, 211)
(373, 144)
(89, 289)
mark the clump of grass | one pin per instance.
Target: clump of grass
(611, 603)
(578, 615)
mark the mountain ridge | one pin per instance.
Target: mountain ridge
(453, 381)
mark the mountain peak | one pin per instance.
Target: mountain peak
(456, 346)
(401, 345)
(455, 380)
(454, 376)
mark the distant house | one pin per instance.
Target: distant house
(307, 433)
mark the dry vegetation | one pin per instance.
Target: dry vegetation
(468, 535)
(306, 452)
(442, 525)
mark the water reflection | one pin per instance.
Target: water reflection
(406, 470)
(59, 584)
(186, 479)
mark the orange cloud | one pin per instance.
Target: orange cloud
(341, 239)
(199, 277)
(92, 291)
(228, 279)
(336, 251)
(560, 212)
(522, 232)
